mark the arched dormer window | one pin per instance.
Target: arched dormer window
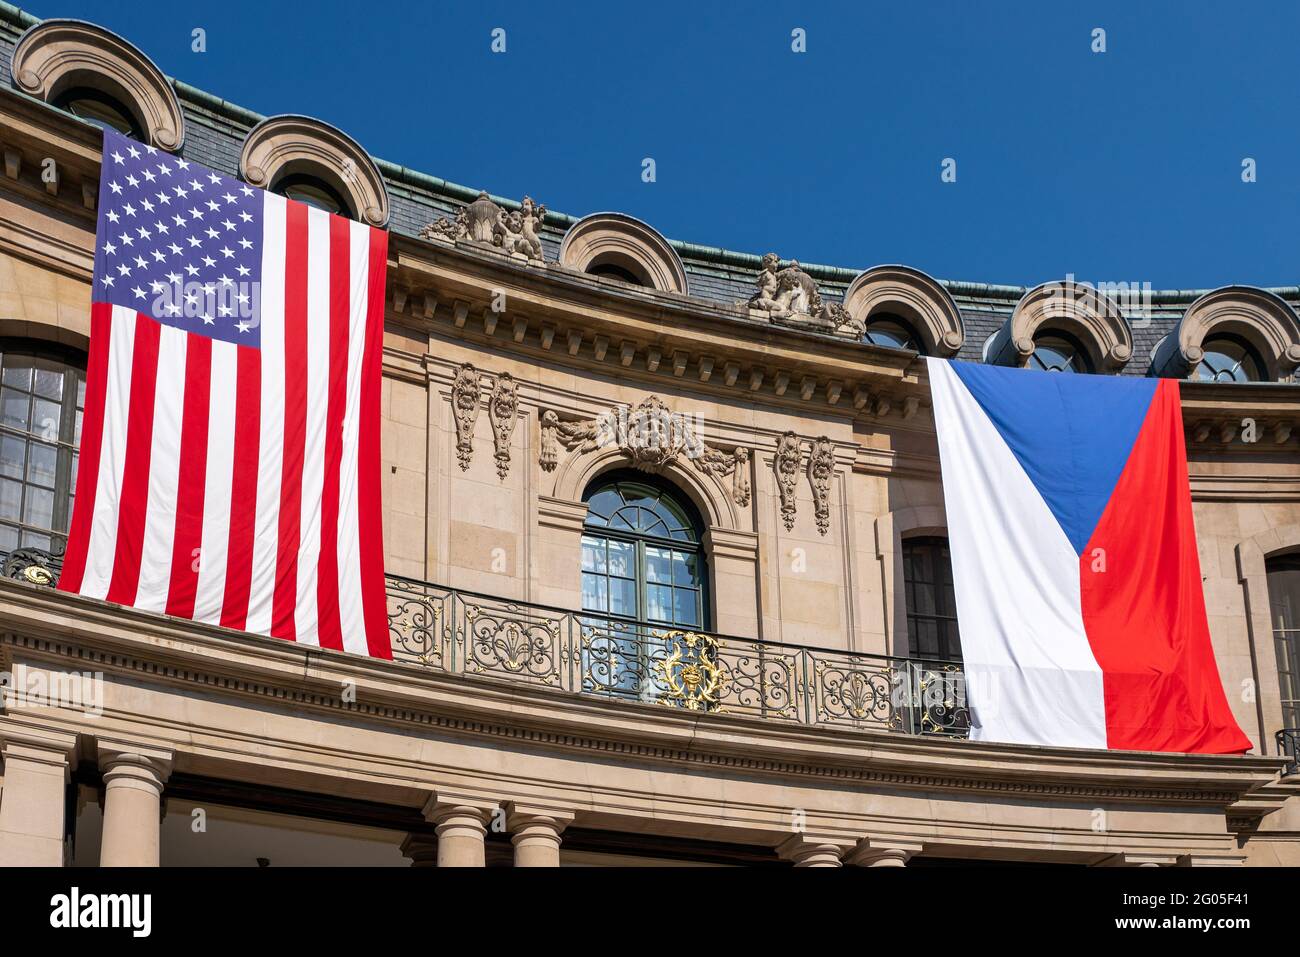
(1229, 358)
(96, 75)
(616, 246)
(42, 394)
(1232, 334)
(903, 308)
(315, 163)
(1064, 327)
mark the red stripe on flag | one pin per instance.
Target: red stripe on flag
(192, 478)
(243, 487)
(295, 420)
(374, 602)
(92, 440)
(327, 567)
(1144, 606)
(134, 500)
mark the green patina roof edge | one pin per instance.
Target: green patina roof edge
(398, 173)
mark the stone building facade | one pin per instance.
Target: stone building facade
(665, 541)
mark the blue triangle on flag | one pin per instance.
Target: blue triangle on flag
(1071, 433)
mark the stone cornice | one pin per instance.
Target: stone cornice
(55, 627)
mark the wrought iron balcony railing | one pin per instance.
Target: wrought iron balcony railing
(1288, 745)
(461, 632)
(466, 633)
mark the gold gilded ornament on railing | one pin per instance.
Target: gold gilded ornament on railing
(690, 672)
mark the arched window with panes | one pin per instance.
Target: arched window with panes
(42, 393)
(644, 574)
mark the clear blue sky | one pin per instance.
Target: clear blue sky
(1120, 166)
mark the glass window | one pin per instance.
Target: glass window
(1284, 609)
(931, 603)
(891, 331)
(312, 191)
(1229, 359)
(99, 108)
(1055, 352)
(643, 574)
(42, 394)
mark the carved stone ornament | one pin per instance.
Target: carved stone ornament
(721, 464)
(790, 297)
(464, 406)
(789, 455)
(503, 407)
(517, 231)
(821, 466)
(651, 437)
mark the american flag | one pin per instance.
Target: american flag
(230, 468)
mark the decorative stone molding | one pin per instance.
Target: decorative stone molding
(821, 467)
(721, 464)
(503, 409)
(1076, 309)
(516, 231)
(615, 239)
(464, 407)
(785, 463)
(651, 436)
(789, 296)
(283, 145)
(915, 297)
(1261, 318)
(56, 56)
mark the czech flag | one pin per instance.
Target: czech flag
(1074, 559)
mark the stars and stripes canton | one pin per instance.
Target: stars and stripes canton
(229, 468)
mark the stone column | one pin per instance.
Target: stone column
(134, 776)
(38, 767)
(808, 850)
(869, 853)
(460, 821)
(535, 833)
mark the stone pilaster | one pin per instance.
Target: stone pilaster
(38, 768)
(810, 850)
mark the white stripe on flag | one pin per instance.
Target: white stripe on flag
(164, 471)
(1031, 677)
(351, 616)
(270, 459)
(215, 548)
(112, 456)
(306, 611)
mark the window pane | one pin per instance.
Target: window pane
(685, 610)
(36, 540)
(622, 559)
(595, 594)
(593, 554)
(8, 538)
(17, 372)
(622, 597)
(46, 417)
(686, 569)
(658, 564)
(49, 383)
(11, 498)
(14, 407)
(13, 456)
(39, 507)
(659, 602)
(42, 462)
